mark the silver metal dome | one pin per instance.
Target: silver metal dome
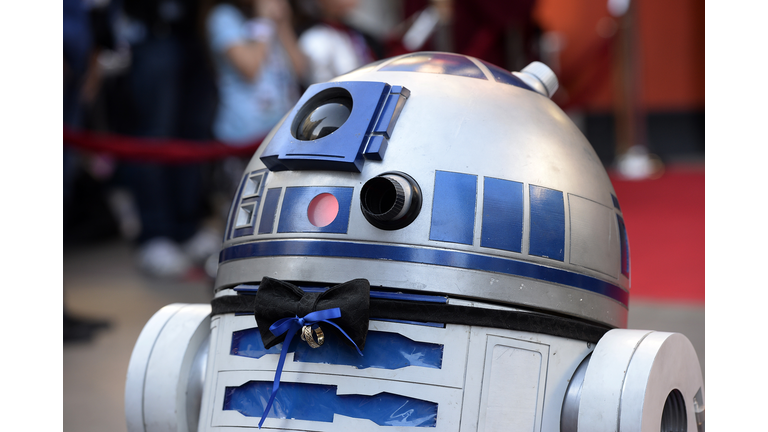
(499, 197)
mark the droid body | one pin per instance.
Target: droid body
(425, 242)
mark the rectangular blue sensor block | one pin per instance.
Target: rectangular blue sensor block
(293, 214)
(267, 223)
(547, 223)
(389, 115)
(382, 131)
(502, 215)
(376, 148)
(453, 207)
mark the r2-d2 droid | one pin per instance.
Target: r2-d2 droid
(426, 242)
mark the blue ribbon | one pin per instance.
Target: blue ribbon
(290, 326)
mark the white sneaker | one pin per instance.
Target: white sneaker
(161, 257)
(202, 245)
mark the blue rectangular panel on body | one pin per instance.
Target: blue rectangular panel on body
(624, 246)
(267, 223)
(502, 215)
(341, 150)
(294, 211)
(319, 402)
(547, 223)
(383, 350)
(453, 207)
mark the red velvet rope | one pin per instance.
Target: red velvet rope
(154, 149)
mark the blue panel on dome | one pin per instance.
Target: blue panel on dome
(293, 213)
(340, 144)
(319, 402)
(624, 247)
(547, 223)
(383, 350)
(453, 207)
(341, 150)
(502, 215)
(267, 223)
(438, 63)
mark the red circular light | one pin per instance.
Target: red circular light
(322, 210)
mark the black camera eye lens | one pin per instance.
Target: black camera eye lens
(390, 201)
(323, 117)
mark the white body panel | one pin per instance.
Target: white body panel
(490, 380)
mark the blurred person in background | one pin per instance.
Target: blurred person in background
(166, 80)
(258, 64)
(336, 41)
(331, 45)
(88, 34)
(253, 49)
(77, 50)
(82, 40)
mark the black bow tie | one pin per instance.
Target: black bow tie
(276, 299)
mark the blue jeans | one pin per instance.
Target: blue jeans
(169, 197)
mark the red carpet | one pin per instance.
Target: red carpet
(665, 226)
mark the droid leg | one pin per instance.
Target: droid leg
(634, 381)
(164, 384)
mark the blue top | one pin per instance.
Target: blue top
(247, 109)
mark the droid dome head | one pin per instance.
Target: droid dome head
(434, 173)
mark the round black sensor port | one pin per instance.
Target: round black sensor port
(390, 201)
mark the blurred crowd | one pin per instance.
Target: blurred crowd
(227, 71)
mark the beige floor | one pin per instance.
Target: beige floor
(101, 281)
